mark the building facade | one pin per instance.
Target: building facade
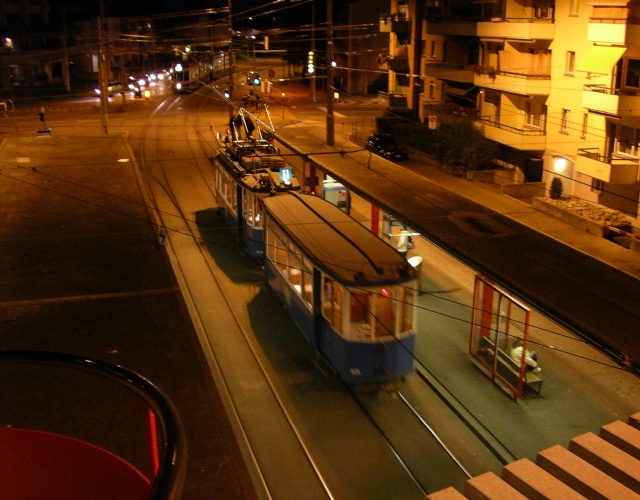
(556, 83)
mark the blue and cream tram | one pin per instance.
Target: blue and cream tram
(198, 70)
(351, 293)
(246, 171)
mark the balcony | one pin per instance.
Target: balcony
(610, 101)
(614, 24)
(613, 169)
(518, 138)
(395, 23)
(452, 27)
(517, 29)
(520, 73)
(462, 73)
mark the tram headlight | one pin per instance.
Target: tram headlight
(178, 86)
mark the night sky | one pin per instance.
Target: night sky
(83, 9)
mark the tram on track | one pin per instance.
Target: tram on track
(352, 294)
(247, 170)
(198, 70)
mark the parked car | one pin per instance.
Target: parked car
(387, 146)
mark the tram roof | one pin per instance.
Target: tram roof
(257, 176)
(336, 243)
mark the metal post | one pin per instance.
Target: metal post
(313, 49)
(330, 117)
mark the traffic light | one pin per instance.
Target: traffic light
(311, 62)
(41, 116)
(227, 94)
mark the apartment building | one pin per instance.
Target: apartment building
(556, 83)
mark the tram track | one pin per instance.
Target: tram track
(160, 177)
(192, 239)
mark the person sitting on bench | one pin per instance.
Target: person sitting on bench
(530, 357)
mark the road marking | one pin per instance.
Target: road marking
(339, 115)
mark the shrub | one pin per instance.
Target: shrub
(556, 188)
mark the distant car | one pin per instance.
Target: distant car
(387, 146)
(253, 78)
(112, 89)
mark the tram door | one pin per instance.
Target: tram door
(336, 193)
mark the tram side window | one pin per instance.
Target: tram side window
(405, 307)
(271, 243)
(295, 273)
(332, 303)
(307, 281)
(281, 255)
(255, 208)
(234, 198)
(248, 206)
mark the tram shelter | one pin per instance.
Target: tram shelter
(499, 320)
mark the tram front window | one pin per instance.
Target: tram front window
(384, 314)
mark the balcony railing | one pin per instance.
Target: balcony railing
(614, 169)
(614, 24)
(517, 28)
(519, 138)
(612, 101)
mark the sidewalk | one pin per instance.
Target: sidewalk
(580, 393)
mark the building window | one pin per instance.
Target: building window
(628, 141)
(632, 78)
(534, 115)
(573, 7)
(432, 90)
(433, 49)
(597, 185)
(583, 132)
(564, 122)
(570, 63)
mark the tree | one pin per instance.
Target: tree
(556, 188)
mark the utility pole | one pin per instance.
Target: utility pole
(313, 49)
(231, 56)
(66, 78)
(329, 65)
(103, 75)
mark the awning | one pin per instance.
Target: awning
(601, 59)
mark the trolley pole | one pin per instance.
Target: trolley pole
(330, 117)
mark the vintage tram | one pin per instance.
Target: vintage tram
(352, 294)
